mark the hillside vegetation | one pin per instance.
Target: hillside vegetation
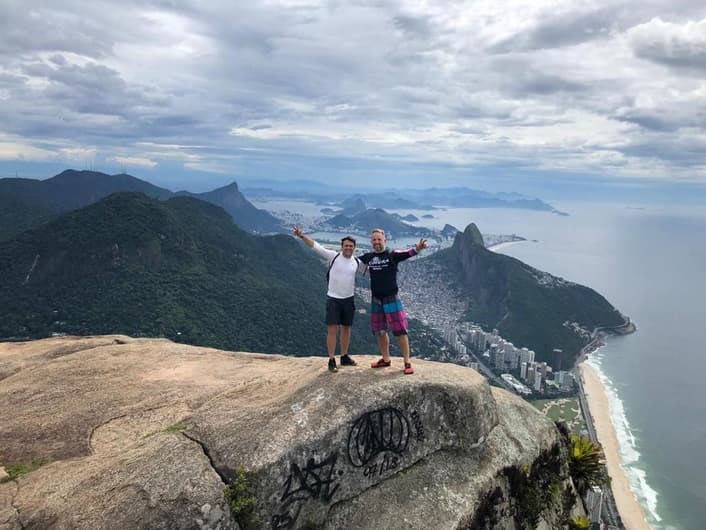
(528, 307)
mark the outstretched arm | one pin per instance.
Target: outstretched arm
(321, 251)
(298, 232)
(401, 255)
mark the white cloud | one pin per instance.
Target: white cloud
(218, 86)
(78, 153)
(681, 45)
(133, 161)
(210, 167)
(23, 151)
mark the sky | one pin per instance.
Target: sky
(502, 95)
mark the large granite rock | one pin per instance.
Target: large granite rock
(147, 433)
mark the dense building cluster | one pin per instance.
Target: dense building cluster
(440, 306)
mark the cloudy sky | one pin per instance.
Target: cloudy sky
(491, 93)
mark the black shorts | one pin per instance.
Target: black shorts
(340, 311)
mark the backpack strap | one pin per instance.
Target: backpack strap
(358, 263)
(365, 270)
(330, 265)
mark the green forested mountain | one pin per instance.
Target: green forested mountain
(527, 306)
(179, 269)
(245, 215)
(17, 215)
(71, 189)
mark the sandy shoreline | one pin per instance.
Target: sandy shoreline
(498, 246)
(631, 513)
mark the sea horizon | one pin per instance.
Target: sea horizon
(645, 260)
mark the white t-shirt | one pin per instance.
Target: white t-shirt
(341, 282)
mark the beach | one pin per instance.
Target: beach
(499, 246)
(631, 513)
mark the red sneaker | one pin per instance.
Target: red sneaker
(381, 363)
(408, 368)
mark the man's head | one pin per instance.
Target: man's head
(377, 240)
(347, 246)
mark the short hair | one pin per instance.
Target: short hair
(378, 230)
(347, 238)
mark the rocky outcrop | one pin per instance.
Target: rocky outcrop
(531, 308)
(144, 433)
(450, 231)
(244, 213)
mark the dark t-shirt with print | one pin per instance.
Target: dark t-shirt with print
(383, 269)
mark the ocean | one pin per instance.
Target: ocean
(648, 261)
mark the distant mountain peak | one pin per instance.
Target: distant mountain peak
(232, 187)
(90, 174)
(528, 307)
(73, 189)
(77, 173)
(449, 231)
(246, 215)
(470, 236)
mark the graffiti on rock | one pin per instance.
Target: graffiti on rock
(315, 480)
(383, 431)
(416, 420)
(376, 444)
(388, 463)
(285, 520)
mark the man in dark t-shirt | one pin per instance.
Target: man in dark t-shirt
(385, 306)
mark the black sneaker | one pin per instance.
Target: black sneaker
(346, 360)
(332, 365)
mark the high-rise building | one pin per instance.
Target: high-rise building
(564, 379)
(543, 368)
(481, 342)
(450, 335)
(526, 356)
(499, 360)
(531, 374)
(512, 358)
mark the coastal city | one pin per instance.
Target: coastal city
(441, 308)
(167, 326)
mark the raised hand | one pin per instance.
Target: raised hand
(421, 245)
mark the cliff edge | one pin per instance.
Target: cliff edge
(146, 433)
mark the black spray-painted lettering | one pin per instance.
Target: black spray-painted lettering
(316, 480)
(380, 431)
(285, 520)
(416, 420)
(377, 469)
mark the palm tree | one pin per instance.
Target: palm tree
(586, 464)
(579, 523)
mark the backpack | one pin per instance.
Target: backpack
(328, 272)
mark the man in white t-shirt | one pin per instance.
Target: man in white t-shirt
(340, 307)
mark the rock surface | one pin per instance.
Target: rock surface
(146, 433)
